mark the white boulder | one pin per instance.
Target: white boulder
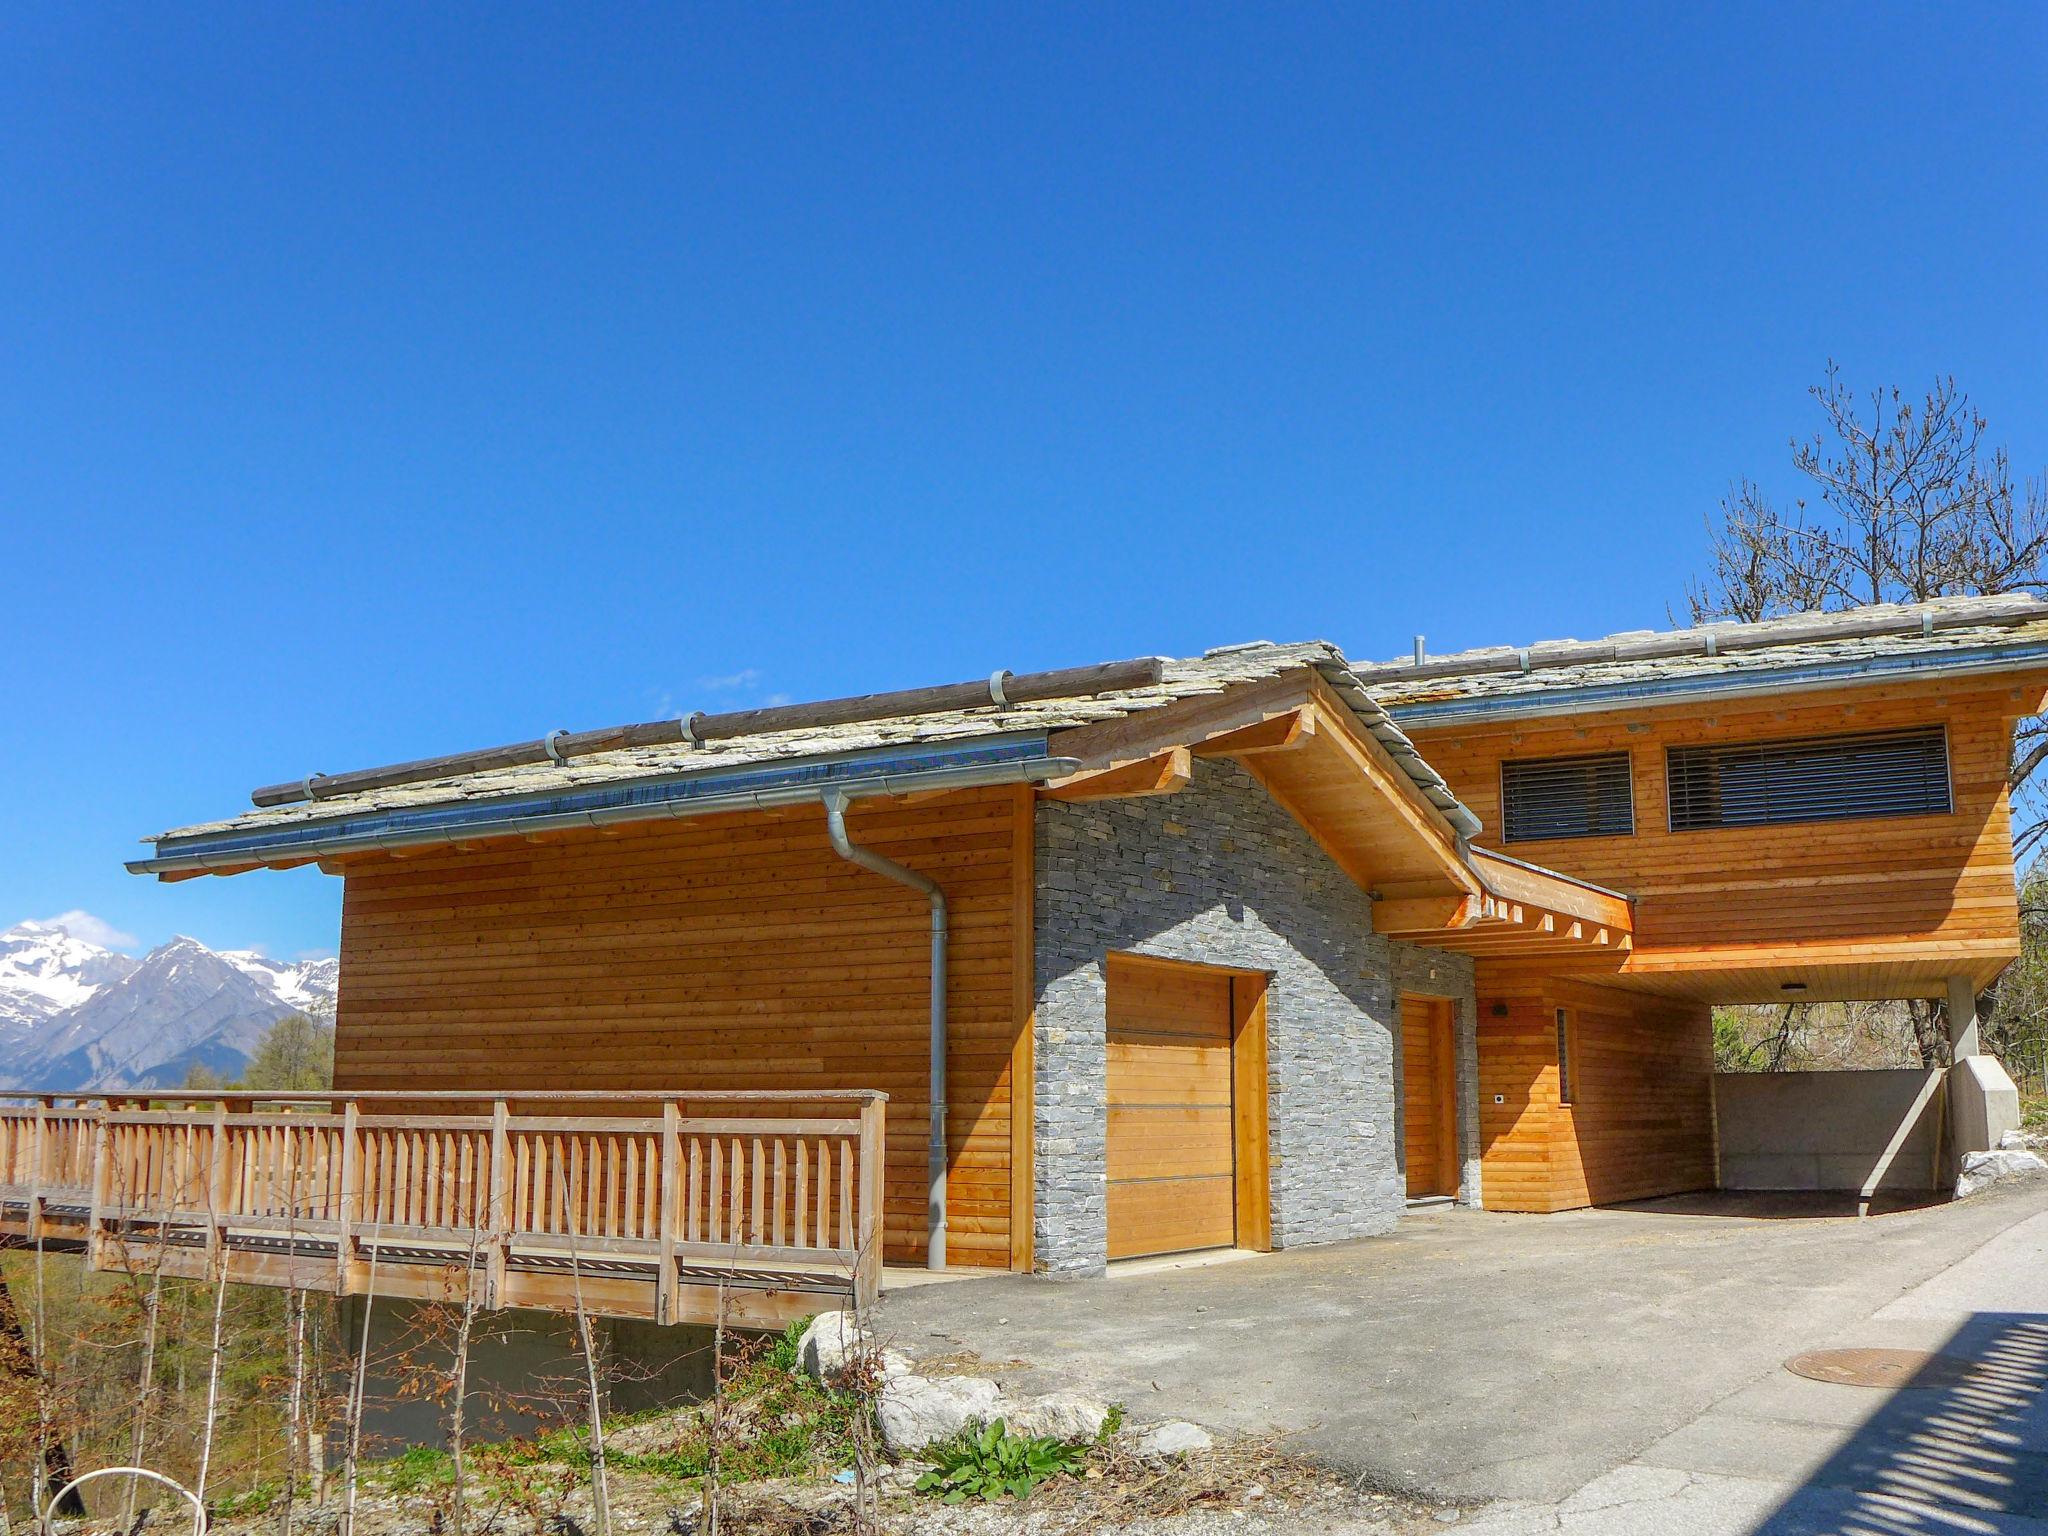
(828, 1344)
(916, 1411)
(1981, 1170)
(1061, 1415)
(1176, 1437)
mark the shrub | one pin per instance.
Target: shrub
(995, 1464)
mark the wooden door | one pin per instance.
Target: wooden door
(1172, 1164)
(1429, 1096)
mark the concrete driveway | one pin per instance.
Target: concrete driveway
(1626, 1359)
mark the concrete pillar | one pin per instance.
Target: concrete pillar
(1962, 1018)
(1983, 1103)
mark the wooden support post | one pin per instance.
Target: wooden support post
(868, 1275)
(501, 1203)
(35, 1188)
(350, 1197)
(217, 1187)
(102, 1187)
(666, 1190)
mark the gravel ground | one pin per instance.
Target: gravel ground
(1246, 1488)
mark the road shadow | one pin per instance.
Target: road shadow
(1961, 1447)
(1784, 1205)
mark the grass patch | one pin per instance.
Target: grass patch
(419, 1469)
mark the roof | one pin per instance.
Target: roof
(547, 787)
(1945, 637)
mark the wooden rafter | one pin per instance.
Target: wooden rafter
(1163, 773)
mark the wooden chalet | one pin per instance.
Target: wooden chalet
(1042, 971)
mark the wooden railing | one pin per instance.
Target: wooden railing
(624, 1204)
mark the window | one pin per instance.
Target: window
(1564, 1058)
(1566, 797)
(1821, 778)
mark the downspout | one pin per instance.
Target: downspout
(935, 1157)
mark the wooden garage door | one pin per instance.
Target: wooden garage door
(1429, 1109)
(1172, 1172)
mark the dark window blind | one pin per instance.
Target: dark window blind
(1822, 778)
(1566, 797)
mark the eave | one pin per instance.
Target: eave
(965, 764)
(1711, 687)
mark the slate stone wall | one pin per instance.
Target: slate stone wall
(1220, 875)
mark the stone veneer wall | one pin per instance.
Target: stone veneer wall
(1219, 874)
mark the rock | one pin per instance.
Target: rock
(1062, 1415)
(1176, 1437)
(1981, 1170)
(830, 1341)
(916, 1411)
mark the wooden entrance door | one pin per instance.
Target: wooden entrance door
(1172, 1160)
(1429, 1096)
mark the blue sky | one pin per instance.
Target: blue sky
(377, 382)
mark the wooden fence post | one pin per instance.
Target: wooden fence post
(501, 1203)
(35, 1189)
(665, 1257)
(873, 1131)
(217, 1185)
(349, 1196)
(102, 1188)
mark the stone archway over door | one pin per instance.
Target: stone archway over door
(1429, 1099)
(1180, 1069)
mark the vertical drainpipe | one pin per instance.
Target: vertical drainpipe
(935, 1157)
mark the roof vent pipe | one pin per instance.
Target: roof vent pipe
(1418, 650)
(935, 1156)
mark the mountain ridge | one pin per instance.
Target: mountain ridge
(76, 1015)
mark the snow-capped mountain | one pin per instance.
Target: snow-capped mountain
(75, 1015)
(44, 970)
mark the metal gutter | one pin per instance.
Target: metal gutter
(937, 1163)
(1719, 685)
(982, 761)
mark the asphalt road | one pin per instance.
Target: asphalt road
(1525, 1358)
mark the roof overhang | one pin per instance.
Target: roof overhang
(1591, 698)
(1520, 910)
(1372, 812)
(967, 764)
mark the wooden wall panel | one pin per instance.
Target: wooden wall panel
(1641, 1120)
(733, 951)
(1790, 895)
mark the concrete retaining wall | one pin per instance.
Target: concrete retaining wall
(1825, 1130)
(526, 1373)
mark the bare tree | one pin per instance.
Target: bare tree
(1910, 504)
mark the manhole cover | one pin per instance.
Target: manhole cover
(1879, 1367)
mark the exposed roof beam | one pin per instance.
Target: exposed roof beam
(1163, 773)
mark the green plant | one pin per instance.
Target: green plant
(995, 1464)
(419, 1468)
(248, 1501)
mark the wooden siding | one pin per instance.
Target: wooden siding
(1641, 1120)
(1901, 900)
(726, 952)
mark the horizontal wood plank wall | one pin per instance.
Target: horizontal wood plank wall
(1758, 896)
(1641, 1120)
(731, 951)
